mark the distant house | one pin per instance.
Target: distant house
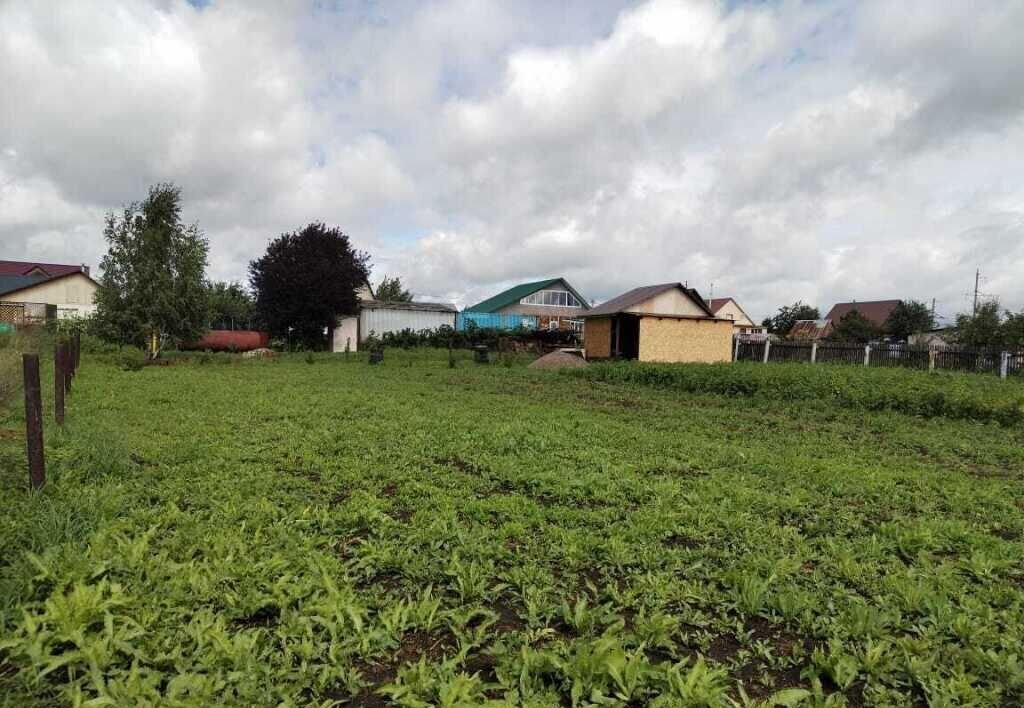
(554, 303)
(40, 291)
(811, 330)
(668, 322)
(727, 308)
(377, 318)
(874, 311)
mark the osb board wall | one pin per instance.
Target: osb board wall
(679, 340)
(597, 337)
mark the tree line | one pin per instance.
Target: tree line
(154, 293)
(989, 326)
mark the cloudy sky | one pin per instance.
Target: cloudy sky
(778, 150)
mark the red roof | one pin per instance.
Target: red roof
(717, 303)
(876, 311)
(26, 268)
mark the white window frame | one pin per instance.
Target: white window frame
(537, 299)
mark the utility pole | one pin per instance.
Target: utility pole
(977, 278)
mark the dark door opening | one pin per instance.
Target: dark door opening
(626, 337)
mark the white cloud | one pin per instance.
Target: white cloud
(782, 150)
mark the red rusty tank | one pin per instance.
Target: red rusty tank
(227, 340)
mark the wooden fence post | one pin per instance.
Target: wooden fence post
(58, 382)
(33, 421)
(69, 369)
(814, 352)
(736, 349)
(767, 349)
(867, 354)
(1004, 365)
(931, 360)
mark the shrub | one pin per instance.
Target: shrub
(130, 359)
(962, 396)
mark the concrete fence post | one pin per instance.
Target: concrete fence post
(814, 352)
(767, 349)
(1004, 365)
(867, 355)
(931, 360)
(736, 350)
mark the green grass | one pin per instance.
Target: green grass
(316, 532)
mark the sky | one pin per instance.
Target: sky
(770, 151)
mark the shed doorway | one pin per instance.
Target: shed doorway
(626, 337)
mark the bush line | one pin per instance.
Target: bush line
(947, 395)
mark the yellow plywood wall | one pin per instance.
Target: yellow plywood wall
(597, 337)
(682, 340)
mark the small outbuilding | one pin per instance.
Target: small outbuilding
(378, 318)
(666, 323)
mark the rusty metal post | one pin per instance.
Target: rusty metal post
(33, 421)
(59, 359)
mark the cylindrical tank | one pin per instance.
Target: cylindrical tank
(226, 340)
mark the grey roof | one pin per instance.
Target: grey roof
(638, 295)
(13, 283)
(420, 306)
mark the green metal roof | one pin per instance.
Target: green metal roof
(517, 293)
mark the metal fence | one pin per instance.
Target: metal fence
(491, 320)
(947, 358)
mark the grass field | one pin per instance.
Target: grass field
(296, 533)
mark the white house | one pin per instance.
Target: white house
(728, 309)
(31, 290)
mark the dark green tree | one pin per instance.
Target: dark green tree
(152, 291)
(854, 327)
(982, 328)
(1013, 330)
(907, 318)
(788, 315)
(391, 290)
(305, 281)
(231, 306)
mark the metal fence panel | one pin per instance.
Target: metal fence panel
(835, 353)
(491, 320)
(790, 352)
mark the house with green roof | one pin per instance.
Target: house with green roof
(553, 302)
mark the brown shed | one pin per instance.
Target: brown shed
(668, 323)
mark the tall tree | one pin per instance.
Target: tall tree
(854, 327)
(907, 318)
(305, 281)
(1013, 330)
(982, 328)
(152, 289)
(788, 315)
(391, 290)
(231, 306)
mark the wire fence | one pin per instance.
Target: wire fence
(945, 358)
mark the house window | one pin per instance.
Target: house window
(553, 324)
(551, 298)
(575, 325)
